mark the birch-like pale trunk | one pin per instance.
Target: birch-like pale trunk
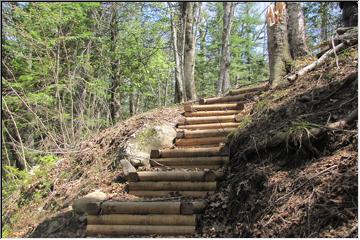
(223, 83)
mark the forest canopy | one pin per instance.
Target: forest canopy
(72, 69)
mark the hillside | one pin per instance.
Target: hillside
(303, 184)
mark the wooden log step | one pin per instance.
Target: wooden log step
(128, 230)
(184, 133)
(191, 152)
(215, 107)
(211, 113)
(199, 146)
(151, 219)
(116, 207)
(239, 97)
(188, 161)
(199, 206)
(260, 87)
(179, 175)
(212, 119)
(192, 194)
(210, 126)
(172, 186)
(210, 167)
(199, 141)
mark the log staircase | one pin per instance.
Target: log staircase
(173, 194)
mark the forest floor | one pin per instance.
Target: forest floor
(305, 186)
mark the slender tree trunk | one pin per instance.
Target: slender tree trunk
(323, 12)
(189, 53)
(131, 104)
(114, 66)
(278, 46)
(179, 96)
(224, 79)
(296, 30)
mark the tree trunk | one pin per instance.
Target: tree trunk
(189, 51)
(179, 96)
(324, 8)
(224, 80)
(278, 46)
(114, 65)
(296, 30)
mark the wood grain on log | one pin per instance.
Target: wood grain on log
(112, 207)
(199, 141)
(172, 186)
(204, 133)
(211, 113)
(200, 152)
(194, 194)
(151, 219)
(128, 230)
(257, 88)
(217, 160)
(215, 107)
(202, 120)
(233, 98)
(178, 175)
(210, 126)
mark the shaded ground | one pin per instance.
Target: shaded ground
(306, 186)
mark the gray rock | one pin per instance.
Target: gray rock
(79, 205)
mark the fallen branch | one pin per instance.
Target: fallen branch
(316, 64)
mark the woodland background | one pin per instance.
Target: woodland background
(72, 69)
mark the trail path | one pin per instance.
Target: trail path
(173, 197)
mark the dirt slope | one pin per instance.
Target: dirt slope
(94, 166)
(305, 185)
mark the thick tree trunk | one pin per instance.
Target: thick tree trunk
(296, 30)
(189, 51)
(179, 96)
(278, 46)
(224, 79)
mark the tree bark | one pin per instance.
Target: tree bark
(278, 45)
(224, 79)
(114, 65)
(178, 96)
(296, 30)
(189, 51)
(324, 8)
